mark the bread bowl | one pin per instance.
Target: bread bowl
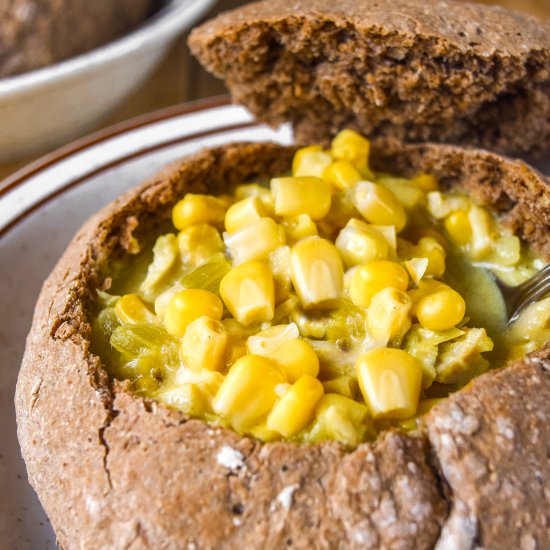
(115, 470)
(37, 34)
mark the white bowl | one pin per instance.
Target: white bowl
(42, 109)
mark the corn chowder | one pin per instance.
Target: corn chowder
(329, 304)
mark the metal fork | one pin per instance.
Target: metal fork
(517, 298)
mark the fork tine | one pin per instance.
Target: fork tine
(535, 279)
(533, 294)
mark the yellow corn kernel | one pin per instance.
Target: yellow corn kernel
(440, 205)
(428, 247)
(278, 262)
(426, 182)
(424, 287)
(255, 190)
(440, 310)
(299, 227)
(416, 268)
(243, 213)
(351, 146)
(507, 250)
(248, 291)
(248, 391)
(187, 398)
(301, 195)
(310, 161)
(480, 223)
(266, 342)
(458, 227)
(195, 209)
(343, 385)
(255, 241)
(204, 344)
(408, 195)
(131, 309)
(359, 243)
(378, 205)
(369, 279)
(342, 419)
(207, 381)
(390, 381)
(388, 315)
(342, 175)
(316, 271)
(190, 304)
(296, 408)
(198, 243)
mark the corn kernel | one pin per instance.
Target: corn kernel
(359, 243)
(369, 279)
(310, 161)
(207, 381)
(301, 195)
(440, 310)
(316, 271)
(390, 381)
(440, 205)
(299, 227)
(426, 182)
(279, 261)
(189, 304)
(416, 267)
(255, 190)
(351, 146)
(507, 250)
(342, 385)
(198, 243)
(429, 248)
(378, 205)
(195, 209)
(248, 391)
(342, 419)
(255, 241)
(204, 344)
(131, 309)
(480, 223)
(342, 175)
(388, 316)
(408, 195)
(267, 341)
(425, 287)
(187, 398)
(296, 408)
(458, 227)
(243, 213)
(248, 291)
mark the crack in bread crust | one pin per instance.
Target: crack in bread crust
(111, 466)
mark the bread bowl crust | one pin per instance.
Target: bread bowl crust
(437, 70)
(116, 471)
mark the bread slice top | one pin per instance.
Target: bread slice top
(430, 70)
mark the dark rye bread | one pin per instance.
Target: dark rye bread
(435, 70)
(116, 471)
(37, 33)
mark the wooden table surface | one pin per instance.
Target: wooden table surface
(179, 77)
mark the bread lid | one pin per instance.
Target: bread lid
(430, 70)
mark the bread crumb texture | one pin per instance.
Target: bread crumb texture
(116, 471)
(435, 70)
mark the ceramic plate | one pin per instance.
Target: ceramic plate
(41, 208)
